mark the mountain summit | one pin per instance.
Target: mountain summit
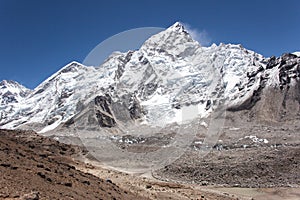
(175, 40)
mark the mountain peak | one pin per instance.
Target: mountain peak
(11, 84)
(12, 92)
(177, 27)
(174, 40)
(8, 82)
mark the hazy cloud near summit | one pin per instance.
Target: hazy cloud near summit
(201, 36)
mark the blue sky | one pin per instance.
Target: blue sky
(37, 38)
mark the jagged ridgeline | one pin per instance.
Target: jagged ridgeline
(151, 86)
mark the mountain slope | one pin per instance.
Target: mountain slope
(170, 79)
(36, 167)
(279, 96)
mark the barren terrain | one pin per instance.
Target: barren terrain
(36, 167)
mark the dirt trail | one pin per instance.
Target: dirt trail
(147, 186)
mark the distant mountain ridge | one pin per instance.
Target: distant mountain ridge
(151, 86)
(12, 92)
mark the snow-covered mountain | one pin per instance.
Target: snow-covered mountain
(169, 76)
(12, 92)
(11, 95)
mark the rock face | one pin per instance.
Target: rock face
(103, 111)
(277, 96)
(154, 85)
(281, 101)
(289, 68)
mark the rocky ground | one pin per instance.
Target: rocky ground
(238, 167)
(147, 186)
(36, 167)
(247, 156)
(254, 167)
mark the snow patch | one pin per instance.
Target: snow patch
(255, 139)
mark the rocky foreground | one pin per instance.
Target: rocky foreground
(35, 167)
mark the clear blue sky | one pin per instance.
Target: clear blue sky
(38, 37)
